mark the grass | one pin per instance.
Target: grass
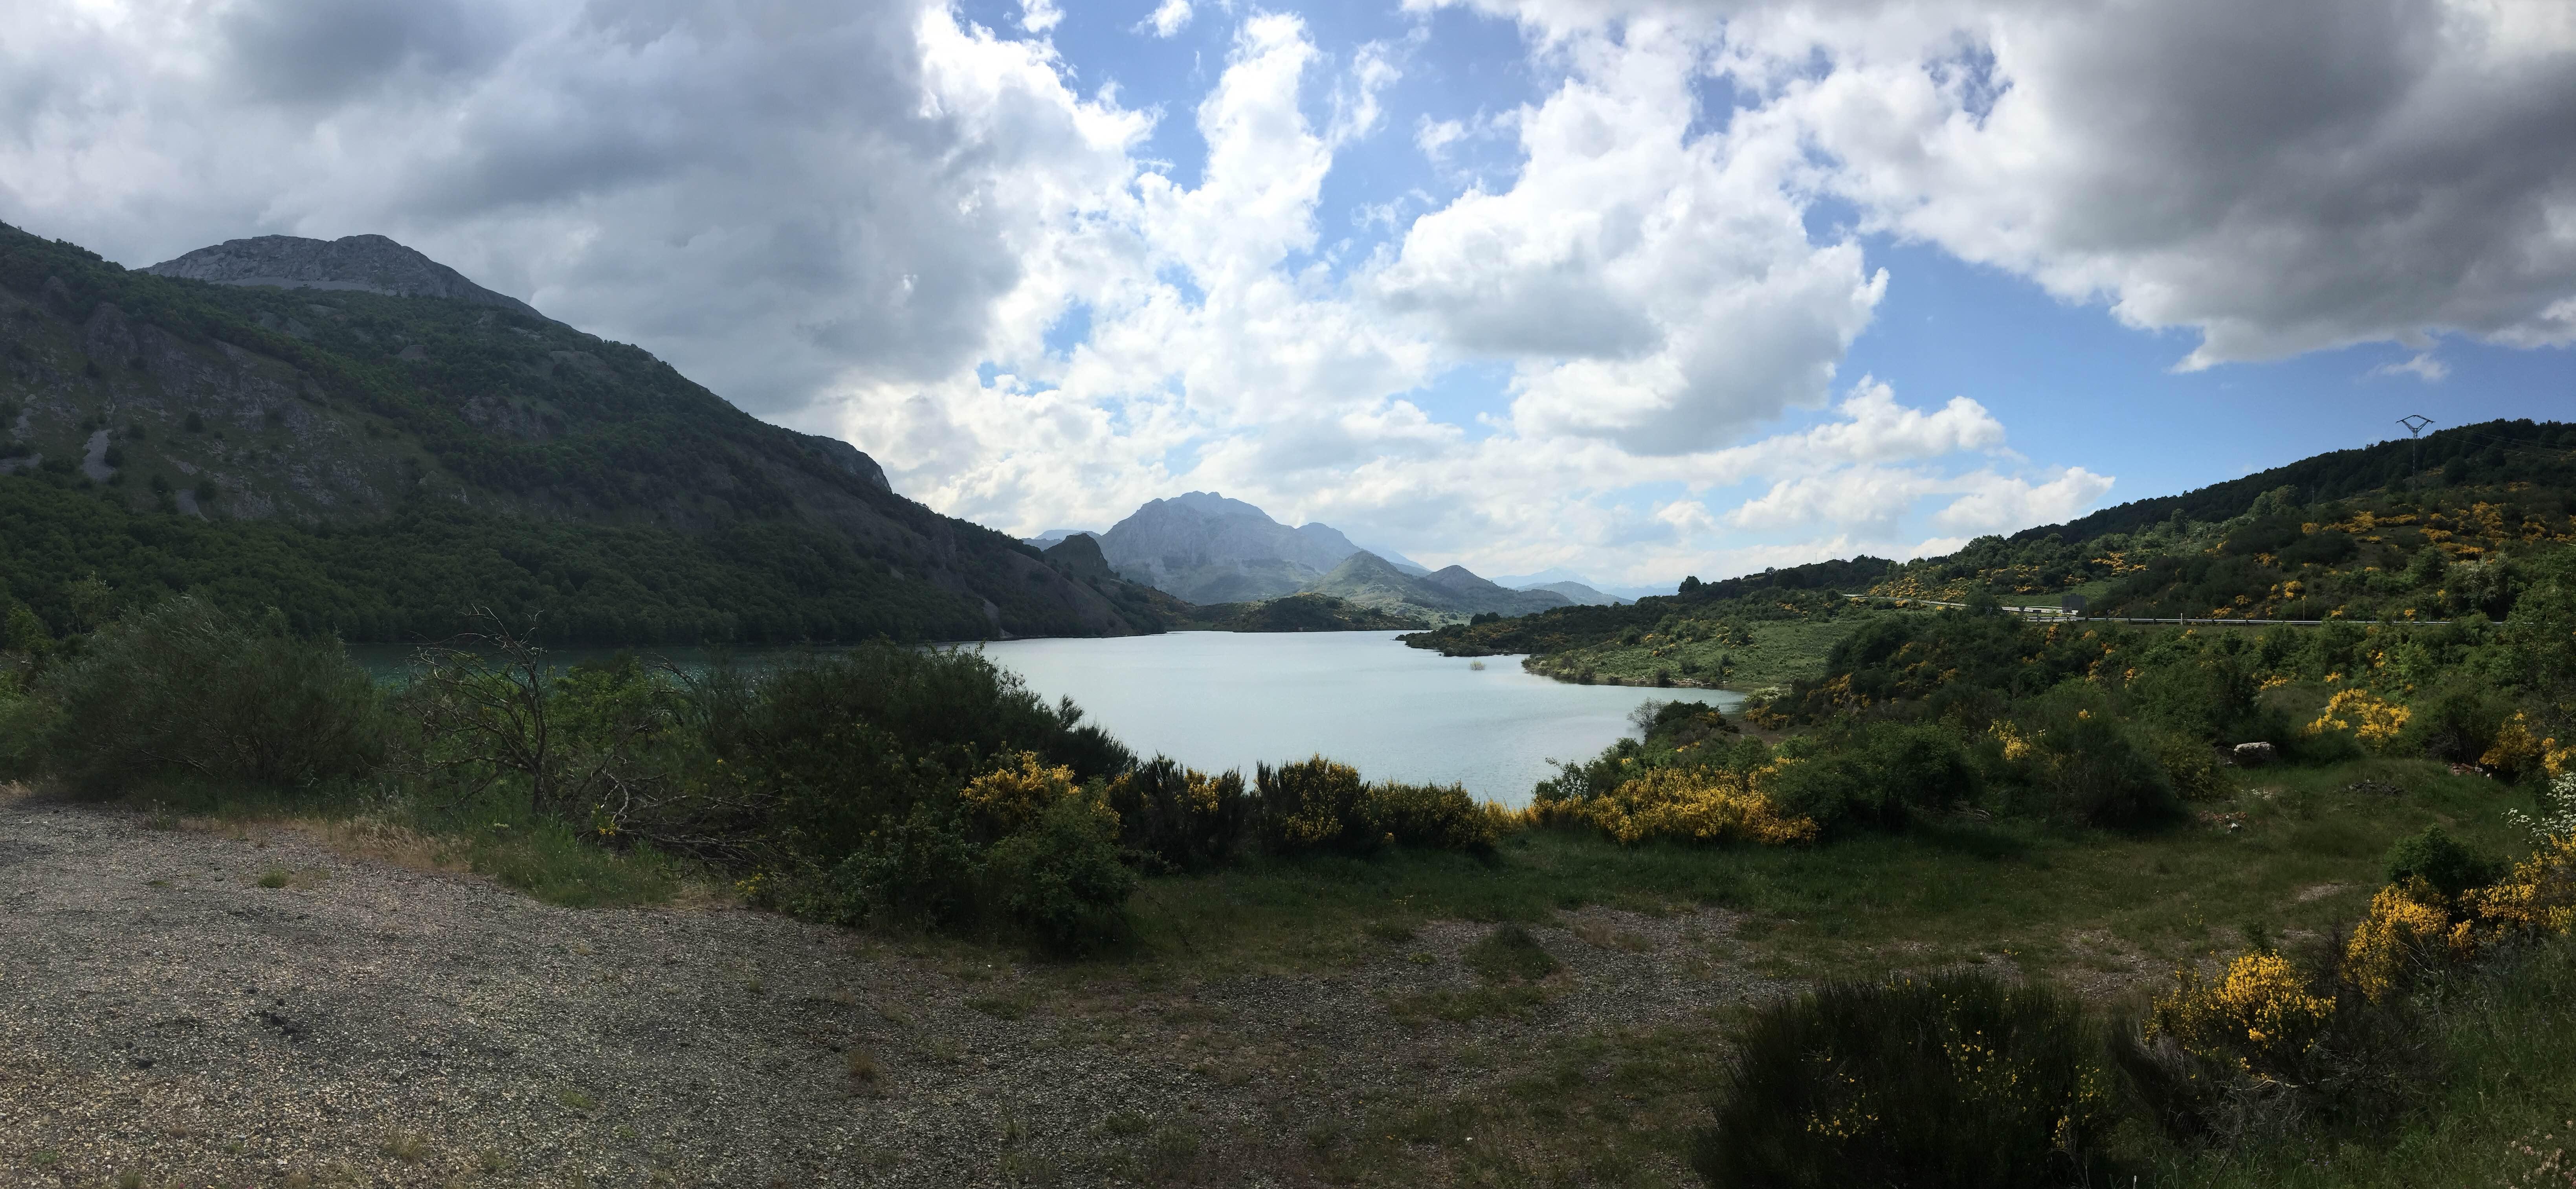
(865, 1072)
(1012, 1006)
(2506, 1099)
(2307, 858)
(1509, 954)
(1602, 1109)
(496, 836)
(1781, 650)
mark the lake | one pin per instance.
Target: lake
(1216, 700)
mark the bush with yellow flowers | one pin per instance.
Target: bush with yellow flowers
(1005, 800)
(2374, 720)
(2416, 924)
(2538, 898)
(2264, 1015)
(1682, 805)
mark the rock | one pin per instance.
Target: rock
(369, 263)
(2253, 755)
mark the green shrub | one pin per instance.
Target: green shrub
(184, 689)
(1430, 817)
(2211, 698)
(2440, 860)
(22, 632)
(1179, 819)
(1872, 773)
(2188, 763)
(1311, 805)
(2082, 763)
(820, 753)
(25, 723)
(2455, 725)
(1954, 1080)
(1060, 879)
(917, 870)
(2273, 1045)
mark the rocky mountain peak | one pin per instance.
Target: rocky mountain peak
(368, 263)
(1209, 503)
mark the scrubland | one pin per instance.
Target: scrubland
(2126, 955)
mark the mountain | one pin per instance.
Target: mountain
(1444, 596)
(1578, 594)
(1309, 612)
(369, 442)
(1048, 539)
(1559, 579)
(362, 263)
(1209, 549)
(1206, 548)
(1331, 540)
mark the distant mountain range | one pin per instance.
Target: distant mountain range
(1207, 549)
(1558, 578)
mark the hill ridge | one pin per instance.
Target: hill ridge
(364, 263)
(536, 467)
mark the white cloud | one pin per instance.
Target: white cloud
(2280, 177)
(1869, 499)
(832, 214)
(1169, 17)
(1998, 503)
(1654, 283)
(2422, 366)
(777, 201)
(1434, 137)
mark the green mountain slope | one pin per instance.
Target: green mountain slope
(1445, 596)
(2354, 534)
(374, 465)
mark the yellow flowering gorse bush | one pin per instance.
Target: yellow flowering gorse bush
(2411, 925)
(2404, 927)
(1003, 801)
(2261, 1014)
(2371, 718)
(1686, 805)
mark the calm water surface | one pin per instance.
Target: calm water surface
(1216, 700)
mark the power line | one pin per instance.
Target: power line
(2415, 423)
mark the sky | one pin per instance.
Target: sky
(1631, 288)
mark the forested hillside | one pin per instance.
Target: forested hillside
(2353, 535)
(373, 465)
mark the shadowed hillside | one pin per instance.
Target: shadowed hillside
(372, 464)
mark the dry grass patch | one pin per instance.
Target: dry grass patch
(1600, 935)
(381, 841)
(865, 1072)
(406, 1147)
(299, 878)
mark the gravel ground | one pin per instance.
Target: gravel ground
(165, 1019)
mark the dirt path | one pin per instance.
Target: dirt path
(167, 1019)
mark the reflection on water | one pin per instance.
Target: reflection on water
(1224, 699)
(1216, 700)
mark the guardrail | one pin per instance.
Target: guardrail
(2061, 615)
